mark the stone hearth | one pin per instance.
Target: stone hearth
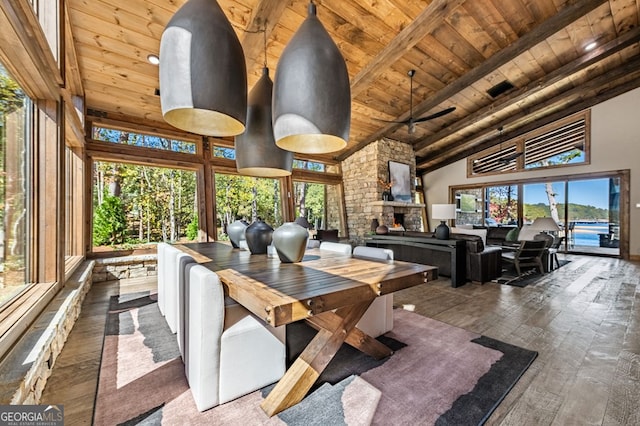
(363, 193)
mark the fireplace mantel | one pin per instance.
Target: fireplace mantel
(397, 204)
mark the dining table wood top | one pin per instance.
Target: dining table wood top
(330, 291)
(281, 293)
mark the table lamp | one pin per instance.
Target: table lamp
(443, 212)
(545, 224)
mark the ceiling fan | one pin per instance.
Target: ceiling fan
(411, 121)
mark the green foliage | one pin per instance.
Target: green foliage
(576, 212)
(248, 198)
(11, 96)
(159, 202)
(192, 228)
(109, 222)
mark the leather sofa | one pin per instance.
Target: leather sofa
(482, 263)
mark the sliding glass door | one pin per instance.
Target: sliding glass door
(594, 216)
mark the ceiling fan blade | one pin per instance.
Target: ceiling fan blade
(436, 115)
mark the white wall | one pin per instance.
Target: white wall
(615, 145)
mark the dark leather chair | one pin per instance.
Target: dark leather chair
(529, 253)
(327, 235)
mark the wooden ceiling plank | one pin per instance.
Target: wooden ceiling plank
(72, 74)
(264, 18)
(604, 87)
(458, 45)
(423, 25)
(559, 74)
(625, 14)
(530, 39)
(517, 15)
(136, 41)
(493, 22)
(466, 26)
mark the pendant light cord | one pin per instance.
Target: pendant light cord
(264, 32)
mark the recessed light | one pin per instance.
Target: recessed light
(590, 46)
(153, 59)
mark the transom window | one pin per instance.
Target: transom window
(560, 144)
(125, 137)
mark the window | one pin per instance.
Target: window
(135, 204)
(563, 143)
(310, 202)
(125, 137)
(309, 165)
(224, 152)
(502, 205)
(588, 208)
(15, 140)
(244, 197)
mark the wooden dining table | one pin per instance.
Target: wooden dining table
(330, 291)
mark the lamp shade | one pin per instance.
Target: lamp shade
(203, 77)
(443, 211)
(312, 96)
(256, 151)
(544, 224)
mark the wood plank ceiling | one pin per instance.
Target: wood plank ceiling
(459, 48)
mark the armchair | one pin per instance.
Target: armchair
(528, 253)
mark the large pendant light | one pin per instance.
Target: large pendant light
(256, 151)
(312, 96)
(203, 78)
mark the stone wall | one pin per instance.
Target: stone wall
(363, 193)
(25, 369)
(119, 268)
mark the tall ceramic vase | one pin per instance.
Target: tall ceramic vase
(290, 241)
(235, 231)
(258, 236)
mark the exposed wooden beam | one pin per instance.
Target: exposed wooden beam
(25, 52)
(443, 157)
(550, 79)
(554, 24)
(265, 17)
(432, 16)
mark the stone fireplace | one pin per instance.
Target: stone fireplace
(361, 173)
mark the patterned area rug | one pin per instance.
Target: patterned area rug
(529, 276)
(438, 374)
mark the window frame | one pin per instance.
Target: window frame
(517, 146)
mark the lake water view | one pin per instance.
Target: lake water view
(586, 234)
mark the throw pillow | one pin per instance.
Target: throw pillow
(512, 235)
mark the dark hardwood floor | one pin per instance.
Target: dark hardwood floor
(583, 319)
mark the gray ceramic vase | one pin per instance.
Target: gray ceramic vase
(290, 241)
(258, 236)
(235, 231)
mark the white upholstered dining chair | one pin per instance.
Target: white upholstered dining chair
(379, 317)
(229, 351)
(335, 247)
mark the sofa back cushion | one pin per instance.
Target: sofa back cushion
(512, 235)
(482, 233)
(473, 242)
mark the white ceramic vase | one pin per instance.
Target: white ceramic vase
(290, 241)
